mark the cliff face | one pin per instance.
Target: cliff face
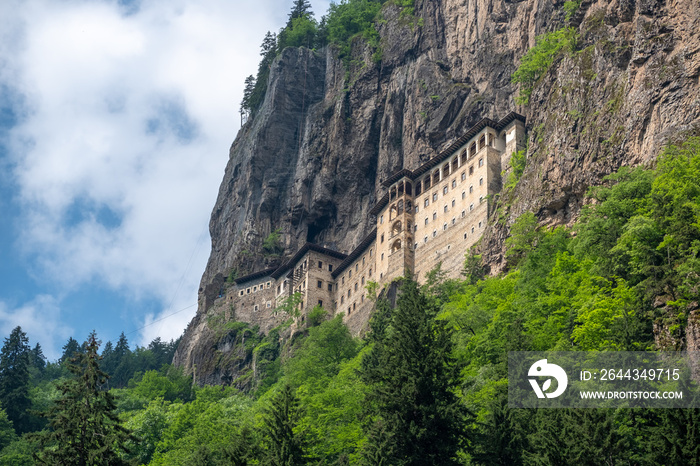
(312, 160)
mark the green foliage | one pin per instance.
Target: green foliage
(539, 58)
(290, 305)
(316, 316)
(517, 164)
(350, 19)
(84, 426)
(571, 7)
(14, 379)
(524, 235)
(284, 444)
(410, 373)
(272, 245)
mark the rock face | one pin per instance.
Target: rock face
(312, 160)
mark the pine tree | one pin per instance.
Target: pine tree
(284, 445)
(85, 429)
(38, 359)
(412, 378)
(14, 379)
(70, 349)
(300, 9)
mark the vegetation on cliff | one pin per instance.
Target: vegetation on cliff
(345, 22)
(430, 378)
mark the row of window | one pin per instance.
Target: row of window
(444, 228)
(255, 289)
(445, 190)
(440, 174)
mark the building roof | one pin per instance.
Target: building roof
(253, 276)
(369, 239)
(300, 253)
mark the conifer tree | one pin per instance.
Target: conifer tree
(300, 9)
(85, 429)
(69, 350)
(284, 445)
(14, 379)
(38, 359)
(418, 418)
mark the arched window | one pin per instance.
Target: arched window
(482, 142)
(392, 212)
(463, 157)
(427, 182)
(400, 207)
(396, 228)
(436, 177)
(446, 170)
(396, 246)
(472, 149)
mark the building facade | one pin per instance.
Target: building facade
(428, 216)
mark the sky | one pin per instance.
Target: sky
(116, 117)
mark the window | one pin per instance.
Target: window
(471, 189)
(342, 280)
(471, 170)
(349, 274)
(342, 299)
(434, 215)
(454, 184)
(415, 245)
(464, 195)
(330, 268)
(454, 220)
(363, 280)
(481, 198)
(381, 275)
(362, 298)
(426, 202)
(434, 197)
(240, 293)
(472, 229)
(444, 227)
(453, 202)
(481, 162)
(464, 176)
(256, 307)
(355, 286)
(425, 240)
(481, 181)
(444, 190)
(445, 209)
(268, 284)
(416, 208)
(269, 304)
(382, 256)
(363, 261)
(471, 207)
(381, 219)
(330, 287)
(370, 272)
(426, 220)
(415, 227)
(320, 284)
(434, 233)
(479, 224)
(357, 266)
(320, 303)
(320, 264)
(465, 236)
(463, 213)
(382, 238)
(370, 253)
(349, 292)
(348, 311)
(255, 289)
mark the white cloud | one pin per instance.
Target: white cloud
(127, 117)
(40, 320)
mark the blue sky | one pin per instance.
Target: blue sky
(115, 122)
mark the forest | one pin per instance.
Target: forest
(428, 383)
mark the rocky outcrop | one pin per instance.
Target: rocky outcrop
(312, 160)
